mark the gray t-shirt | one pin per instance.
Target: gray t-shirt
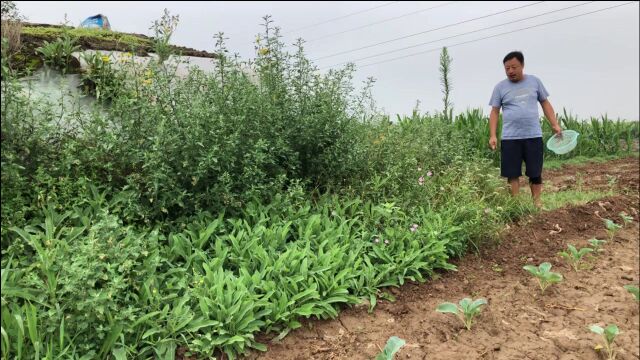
(519, 102)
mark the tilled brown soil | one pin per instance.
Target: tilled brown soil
(518, 322)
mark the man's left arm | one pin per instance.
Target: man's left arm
(550, 114)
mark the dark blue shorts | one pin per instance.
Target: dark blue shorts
(514, 152)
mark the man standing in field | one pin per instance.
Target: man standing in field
(518, 96)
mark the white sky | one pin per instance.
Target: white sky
(589, 65)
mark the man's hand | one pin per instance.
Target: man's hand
(493, 142)
(558, 131)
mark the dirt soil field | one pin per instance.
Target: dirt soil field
(518, 322)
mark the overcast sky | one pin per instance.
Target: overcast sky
(589, 64)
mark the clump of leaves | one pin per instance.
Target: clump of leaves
(467, 310)
(609, 335)
(59, 53)
(393, 345)
(100, 79)
(596, 244)
(574, 256)
(544, 275)
(633, 290)
(626, 218)
(612, 228)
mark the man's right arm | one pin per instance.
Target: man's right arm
(493, 126)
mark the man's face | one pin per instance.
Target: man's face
(513, 69)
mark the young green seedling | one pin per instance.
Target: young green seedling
(466, 312)
(612, 228)
(633, 290)
(626, 218)
(609, 335)
(596, 244)
(544, 276)
(573, 256)
(393, 345)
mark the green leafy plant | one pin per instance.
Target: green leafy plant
(626, 218)
(612, 228)
(59, 53)
(608, 335)
(467, 310)
(544, 276)
(633, 289)
(163, 30)
(574, 256)
(596, 244)
(393, 345)
(100, 79)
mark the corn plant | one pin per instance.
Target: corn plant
(596, 244)
(608, 335)
(612, 228)
(393, 345)
(574, 256)
(544, 276)
(632, 289)
(467, 310)
(626, 218)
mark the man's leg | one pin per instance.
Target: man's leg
(511, 155)
(536, 190)
(515, 186)
(534, 155)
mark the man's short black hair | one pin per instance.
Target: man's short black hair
(514, 54)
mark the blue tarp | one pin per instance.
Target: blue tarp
(97, 21)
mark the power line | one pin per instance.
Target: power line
(501, 34)
(340, 17)
(381, 21)
(458, 35)
(426, 31)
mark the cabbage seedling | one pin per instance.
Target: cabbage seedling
(393, 345)
(596, 244)
(609, 335)
(467, 310)
(626, 218)
(573, 256)
(543, 274)
(633, 290)
(612, 228)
